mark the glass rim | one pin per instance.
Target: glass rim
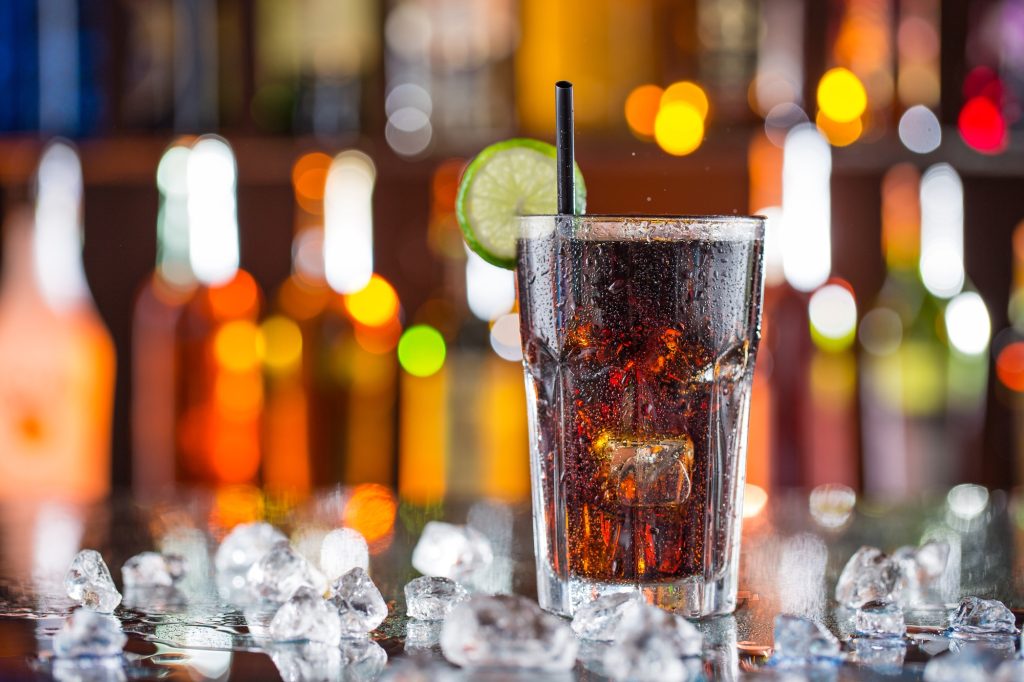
(639, 227)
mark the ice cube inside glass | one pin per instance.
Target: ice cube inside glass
(639, 337)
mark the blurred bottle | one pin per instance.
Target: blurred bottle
(158, 308)
(924, 341)
(315, 65)
(329, 356)
(1008, 351)
(220, 388)
(56, 356)
(594, 56)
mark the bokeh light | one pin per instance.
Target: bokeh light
(679, 128)
(505, 338)
(1010, 366)
(967, 323)
(421, 350)
(238, 298)
(982, 126)
(833, 317)
(841, 95)
(687, 92)
(371, 511)
(839, 134)
(920, 130)
(642, 106)
(279, 344)
(832, 504)
(375, 304)
(967, 500)
(781, 119)
(309, 178)
(754, 500)
(235, 346)
(881, 331)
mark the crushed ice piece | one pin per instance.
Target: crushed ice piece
(363, 659)
(306, 617)
(429, 598)
(640, 620)
(89, 583)
(446, 550)
(280, 572)
(970, 666)
(507, 631)
(599, 619)
(650, 644)
(422, 634)
(884, 656)
(89, 634)
(152, 569)
(880, 619)
(975, 616)
(307, 661)
(245, 544)
(869, 575)
(342, 550)
(921, 570)
(1010, 671)
(802, 641)
(359, 603)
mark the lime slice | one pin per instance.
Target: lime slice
(506, 180)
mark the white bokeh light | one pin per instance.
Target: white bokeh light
(920, 130)
(968, 325)
(212, 211)
(806, 208)
(942, 231)
(348, 222)
(505, 338)
(833, 311)
(57, 251)
(490, 290)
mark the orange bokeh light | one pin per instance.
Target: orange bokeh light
(642, 108)
(839, 134)
(309, 178)
(689, 93)
(445, 185)
(238, 298)
(371, 511)
(379, 340)
(233, 505)
(1010, 366)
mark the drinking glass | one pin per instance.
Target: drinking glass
(639, 336)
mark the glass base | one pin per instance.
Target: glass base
(691, 597)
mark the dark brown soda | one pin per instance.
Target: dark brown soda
(638, 355)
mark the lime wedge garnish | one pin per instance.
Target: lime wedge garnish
(507, 180)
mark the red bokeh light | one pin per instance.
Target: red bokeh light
(982, 125)
(1010, 366)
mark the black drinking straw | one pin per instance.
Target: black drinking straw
(564, 145)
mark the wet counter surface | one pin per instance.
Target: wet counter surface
(793, 551)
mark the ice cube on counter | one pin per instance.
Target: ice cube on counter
(869, 575)
(342, 550)
(358, 602)
(430, 598)
(802, 641)
(89, 583)
(976, 616)
(600, 619)
(245, 544)
(152, 569)
(880, 619)
(446, 550)
(306, 617)
(276, 575)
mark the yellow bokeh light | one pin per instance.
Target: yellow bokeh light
(841, 95)
(679, 128)
(688, 92)
(374, 305)
(641, 109)
(839, 134)
(280, 344)
(235, 346)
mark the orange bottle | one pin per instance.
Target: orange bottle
(57, 360)
(220, 386)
